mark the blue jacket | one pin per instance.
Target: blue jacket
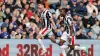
(2, 35)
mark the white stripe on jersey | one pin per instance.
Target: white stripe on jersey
(46, 15)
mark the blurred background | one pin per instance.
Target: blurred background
(19, 18)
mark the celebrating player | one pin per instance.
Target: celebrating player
(48, 23)
(67, 34)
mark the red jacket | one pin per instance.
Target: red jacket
(29, 14)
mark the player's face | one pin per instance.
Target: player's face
(39, 10)
(40, 7)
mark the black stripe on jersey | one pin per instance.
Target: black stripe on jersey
(67, 27)
(43, 22)
(48, 17)
(68, 23)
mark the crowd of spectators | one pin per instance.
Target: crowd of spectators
(19, 18)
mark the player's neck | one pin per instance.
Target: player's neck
(43, 9)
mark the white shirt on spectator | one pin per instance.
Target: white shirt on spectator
(96, 29)
(90, 9)
(12, 37)
(27, 24)
(22, 16)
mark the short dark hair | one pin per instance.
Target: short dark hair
(2, 28)
(16, 34)
(42, 3)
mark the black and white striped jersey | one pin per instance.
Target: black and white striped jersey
(46, 15)
(68, 22)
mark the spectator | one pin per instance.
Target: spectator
(23, 3)
(14, 19)
(8, 14)
(29, 13)
(2, 15)
(74, 7)
(3, 8)
(23, 24)
(79, 23)
(90, 7)
(26, 6)
(11, 27)
(6, 23)
(24, 35)
(1, 2)
(93, 19)
(27, 23)
(18, 33)
(32, 6)
(86, 21)
(54, 17)
(81, 35)
(82, 9)
(94, 3)
(89, 35)
(96, 28)
(21, 28)
(32, 27)
(85, 2)
(60, 20)
(17, 36)
(35, 17)
(98, 38)
(12, 34)
(1, 22)
(31, 36)
(63, 3)
(58, 24)
(60, 31)
(8, 4)
(4, 34)
(15, 13)
(23, 13)
(18, 4)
